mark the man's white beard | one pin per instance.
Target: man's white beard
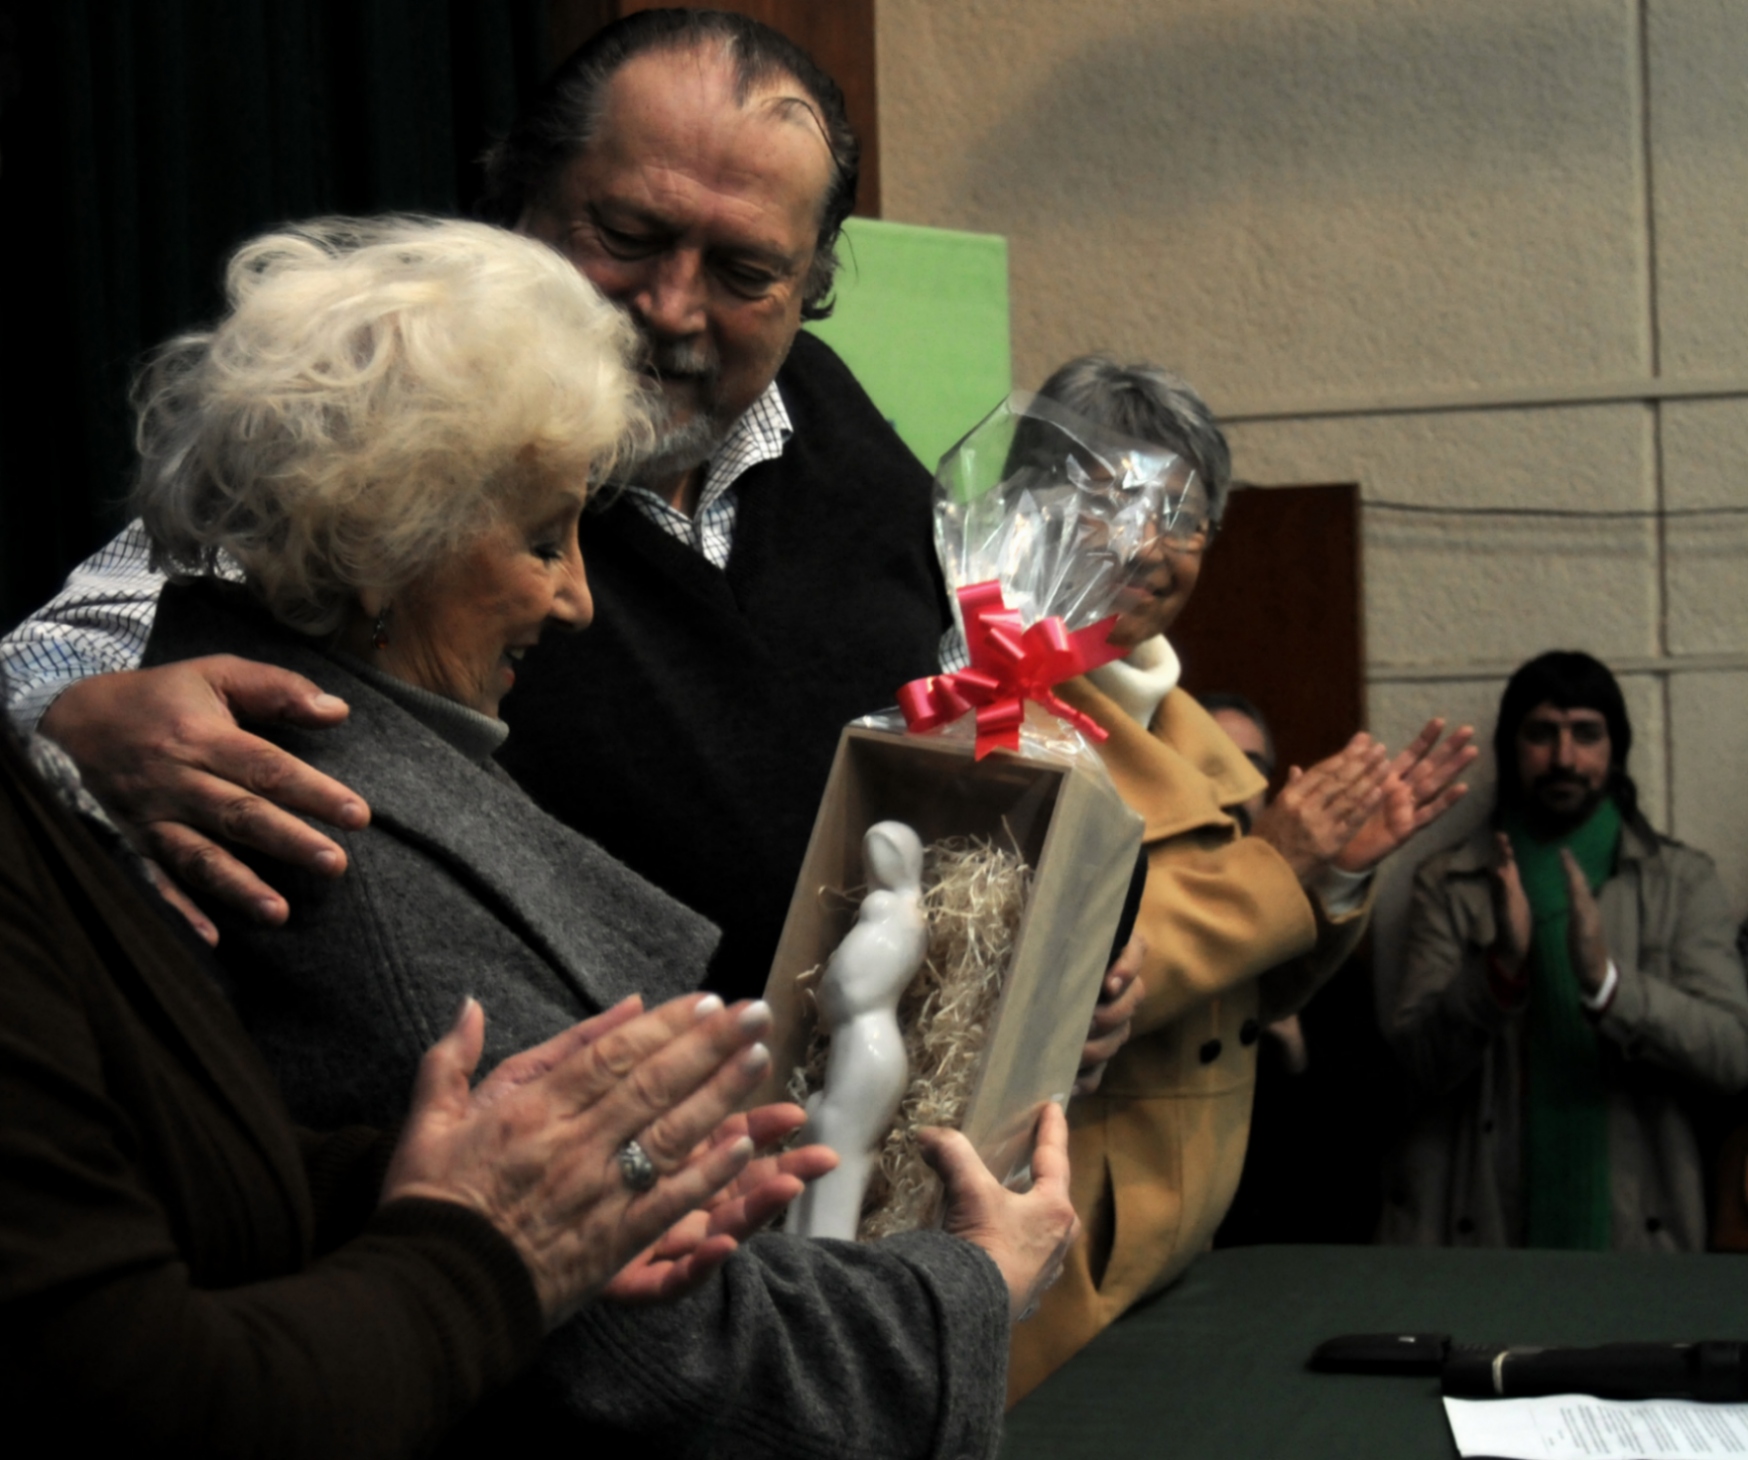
(679, 446)
(675, 450)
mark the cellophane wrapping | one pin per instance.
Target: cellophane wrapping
(1063, 513)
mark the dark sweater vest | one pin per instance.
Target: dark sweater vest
(690, 729)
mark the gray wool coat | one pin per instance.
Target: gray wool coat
(462, 885)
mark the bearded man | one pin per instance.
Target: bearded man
(1570, 982)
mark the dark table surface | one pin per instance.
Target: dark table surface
(1215, 1367)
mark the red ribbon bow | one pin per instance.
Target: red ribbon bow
(1009, 666)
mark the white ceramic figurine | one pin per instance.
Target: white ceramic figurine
(866, 1069)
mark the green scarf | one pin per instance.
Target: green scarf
(1565, 1151)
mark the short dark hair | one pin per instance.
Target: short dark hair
(558, 124)
(1567, 679)
(1228, 700)
(1149, 404)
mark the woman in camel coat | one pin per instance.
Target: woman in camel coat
(1239, 929)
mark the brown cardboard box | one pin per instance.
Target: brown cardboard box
(1064, 817)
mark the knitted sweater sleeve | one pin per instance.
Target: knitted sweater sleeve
(817, 1350)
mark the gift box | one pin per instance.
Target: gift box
(1047, 527)
(1060, 813)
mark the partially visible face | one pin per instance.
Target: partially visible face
(1247, 735)
(461, 630)
(699, 214)
(1563, 759)
(1164, 578)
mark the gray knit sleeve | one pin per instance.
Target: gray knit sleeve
(812, 1349)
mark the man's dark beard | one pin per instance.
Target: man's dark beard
(1544, 821)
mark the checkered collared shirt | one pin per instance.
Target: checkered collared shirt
(98, 623)
(759, 435)
(102, 617)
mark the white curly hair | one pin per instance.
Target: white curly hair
(379, 393)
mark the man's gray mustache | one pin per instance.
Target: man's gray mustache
(678, 361)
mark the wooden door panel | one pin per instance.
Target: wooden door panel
(1278, 617)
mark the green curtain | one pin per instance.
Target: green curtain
(141, 141)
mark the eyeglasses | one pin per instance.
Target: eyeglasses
(1187, 536)
(1190, 536)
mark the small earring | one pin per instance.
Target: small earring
(379, 631)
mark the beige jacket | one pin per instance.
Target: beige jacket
(1679, 1023)
(1233, 942)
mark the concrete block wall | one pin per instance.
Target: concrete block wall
(1477, 255)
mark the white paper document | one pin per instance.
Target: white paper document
(1578, 1427)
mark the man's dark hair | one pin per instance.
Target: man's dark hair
(1567, 679)
(1227, 700)
(559, 123)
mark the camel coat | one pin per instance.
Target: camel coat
(1233, 941)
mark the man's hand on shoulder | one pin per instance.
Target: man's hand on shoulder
(163, 750)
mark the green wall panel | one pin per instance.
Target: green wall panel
(922, 318)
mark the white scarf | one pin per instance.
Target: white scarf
(1141, 680)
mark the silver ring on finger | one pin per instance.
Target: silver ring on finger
(635, 1167)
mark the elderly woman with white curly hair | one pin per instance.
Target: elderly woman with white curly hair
(371, 473)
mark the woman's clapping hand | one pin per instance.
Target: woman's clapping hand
(535, 1148)
(702, 1240)
(1421, 787)
(1357, 807)
(1319, 811)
